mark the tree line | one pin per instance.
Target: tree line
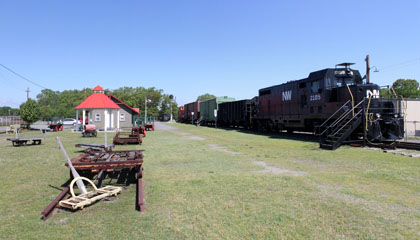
(8, 111)
(51, 103)
(407, 88)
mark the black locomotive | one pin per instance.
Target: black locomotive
(335, 103)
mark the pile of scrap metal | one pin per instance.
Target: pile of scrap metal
(126, 166)
(133, 137)
(138, 130)
(95, 147)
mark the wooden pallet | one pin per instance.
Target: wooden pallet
(88, 198)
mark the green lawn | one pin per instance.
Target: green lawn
(206, 183)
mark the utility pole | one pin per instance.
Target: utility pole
(171, 97)
(367, 70)
(145, 110)
(27, 94)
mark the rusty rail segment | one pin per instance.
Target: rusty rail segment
(47, 212)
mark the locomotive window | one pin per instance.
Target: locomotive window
(314, 86)
(349, 81)
(328, 83)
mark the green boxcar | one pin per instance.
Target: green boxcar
(207, 109)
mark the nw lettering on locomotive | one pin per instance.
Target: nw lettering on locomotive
(374, 93)
(287, 95)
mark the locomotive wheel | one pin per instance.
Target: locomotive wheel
(94, 134)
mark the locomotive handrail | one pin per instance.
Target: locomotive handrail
(334, 114)
(344, 115)
(361, 110)
(352, 98)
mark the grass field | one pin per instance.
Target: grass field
(206, 183)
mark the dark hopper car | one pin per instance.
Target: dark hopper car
(235, 114)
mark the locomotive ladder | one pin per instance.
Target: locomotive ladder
(337, 129)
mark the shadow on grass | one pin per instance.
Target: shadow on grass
(299, 136)
(123, 177)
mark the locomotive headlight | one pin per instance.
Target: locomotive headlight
(396, 115)
(378, 115)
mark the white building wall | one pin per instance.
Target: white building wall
(412, 117)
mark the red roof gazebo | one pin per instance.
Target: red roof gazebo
(98, 100)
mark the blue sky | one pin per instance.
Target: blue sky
(191, 47)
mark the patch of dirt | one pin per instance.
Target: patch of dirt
(161, 126)
(276, 170)
(221, 149)
(182, 133)
(197, 138)
(61, 221)
(308, 162)
(391, 211)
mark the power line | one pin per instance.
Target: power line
(24, 78)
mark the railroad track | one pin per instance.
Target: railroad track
(408, 145)
(398, 144)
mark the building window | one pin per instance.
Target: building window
(97, 117)
(122, 117)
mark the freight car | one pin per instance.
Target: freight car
(164, 117)
(208, 108)
(192, 112)
(235, 114)
(181, 114)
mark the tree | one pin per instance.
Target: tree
(135, 97)
(8, 111)
(205, 97)
(408, 88)
(60, 104)
(30, 111)
(165, 107)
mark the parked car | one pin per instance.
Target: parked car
(69, 121)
